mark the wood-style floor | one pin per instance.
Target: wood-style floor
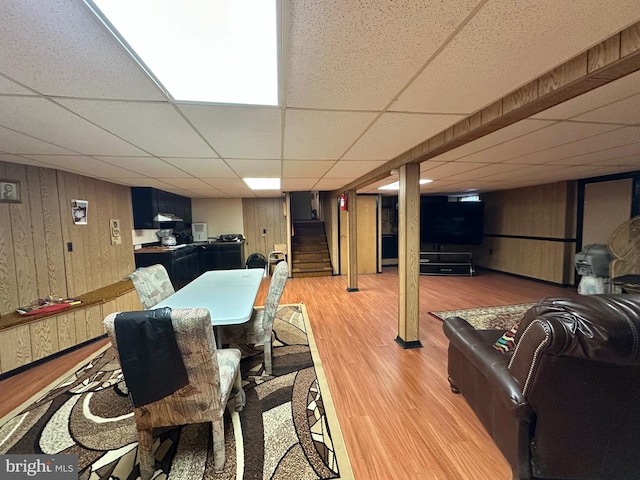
(398, 416)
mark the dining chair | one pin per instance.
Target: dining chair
(277, 255)
(152, 284)
(259, 329)
(175, 375)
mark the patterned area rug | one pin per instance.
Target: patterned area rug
(489, 318)
(288, 428)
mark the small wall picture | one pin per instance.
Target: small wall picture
(79, 211)
(10, 191)
(116, 237)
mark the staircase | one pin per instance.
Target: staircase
(310, 250)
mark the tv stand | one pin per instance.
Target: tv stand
(446, 263)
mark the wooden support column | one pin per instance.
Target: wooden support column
(409, 256)
(352, 241)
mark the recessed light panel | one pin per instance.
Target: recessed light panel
(262, 183)
(222, 51)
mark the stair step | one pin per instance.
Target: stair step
(310, 247)
(311, 274)
(305, 240)
(300, 266)
(311, 257)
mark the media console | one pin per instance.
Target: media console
(446, 263)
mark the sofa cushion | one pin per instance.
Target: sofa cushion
(506, 343)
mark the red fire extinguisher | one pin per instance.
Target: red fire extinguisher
(343, 202)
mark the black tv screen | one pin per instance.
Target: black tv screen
(452, 223)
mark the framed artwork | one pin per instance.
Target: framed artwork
(79, 211)
(10, 191)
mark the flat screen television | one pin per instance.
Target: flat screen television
(451, 223)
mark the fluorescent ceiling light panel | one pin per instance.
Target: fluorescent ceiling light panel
(396, 185)
(262, 183)
(222, 51)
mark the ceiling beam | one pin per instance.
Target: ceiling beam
(615, 57)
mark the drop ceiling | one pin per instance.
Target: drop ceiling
(363, 83)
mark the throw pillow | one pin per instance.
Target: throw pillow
(506, 342)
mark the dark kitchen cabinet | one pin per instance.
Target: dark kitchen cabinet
(181, 264)
(148, 202)
(221, 256)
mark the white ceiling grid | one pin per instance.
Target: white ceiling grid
(366, 81)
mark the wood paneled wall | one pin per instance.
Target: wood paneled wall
(329, 215)
(263, 214)
(531, 232)
(32, 341)
(34, 261)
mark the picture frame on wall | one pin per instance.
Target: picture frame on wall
(10, 191)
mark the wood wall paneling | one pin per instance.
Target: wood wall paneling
(54, 246)
(66, 328)
(263, 214)
(93, 319)
(34, 261)
(8, 277)
(367, 234)
(544, 218)
(23, 244)
(15, 348)
(44, 338)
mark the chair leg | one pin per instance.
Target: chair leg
(217, 433)
(268, 367)
(145, 454)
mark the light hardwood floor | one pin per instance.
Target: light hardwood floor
(398, 416)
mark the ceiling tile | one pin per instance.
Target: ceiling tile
(84, 165)
(144, 165)
(208, 193)
(9, 87)
(238, 132)
(316, 135)
(226, 183)
(45, 120)
(7, 157)
(186, 183)
(359, 55)
(485, 172)
(156, 128)
(256, 168)
(611, 92)
(503, 135)
(202, 167)
(298, 184)
(632, 149)
(16, 142)
(406, 130)
(445, 170)
(556, 134)
(596, 143)
(625, 111)
(59, 48)
(305, 168)
(331, 183)
(475, 62)
(351, 169)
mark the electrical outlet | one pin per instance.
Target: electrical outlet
(69, 247)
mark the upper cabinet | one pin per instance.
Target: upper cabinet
(149, 203)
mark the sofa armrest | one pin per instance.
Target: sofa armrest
(491, 363)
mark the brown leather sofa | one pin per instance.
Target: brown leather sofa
(565, 403)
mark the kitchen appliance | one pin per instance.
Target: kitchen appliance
(231, 237)
(199, 230)
(166, 236)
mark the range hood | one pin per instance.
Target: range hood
(167, 217)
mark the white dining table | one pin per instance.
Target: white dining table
(229, 295)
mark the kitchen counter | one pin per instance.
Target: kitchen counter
(161, 248)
